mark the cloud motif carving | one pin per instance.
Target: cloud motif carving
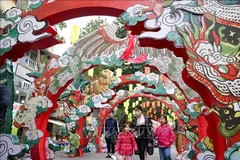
(26, 28)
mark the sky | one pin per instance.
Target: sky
(66, 32)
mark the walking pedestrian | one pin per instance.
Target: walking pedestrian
(165, 135)
(126, 144)
(142, 125)
(111, 129)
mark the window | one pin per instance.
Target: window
(29, 60)
(21, 83)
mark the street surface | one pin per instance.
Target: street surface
(101, 156)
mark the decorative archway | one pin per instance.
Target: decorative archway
(219, 29)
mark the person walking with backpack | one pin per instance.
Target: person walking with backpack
(125, 144)
(165, 135)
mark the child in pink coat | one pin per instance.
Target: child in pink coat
(165, 135)
(125, 144)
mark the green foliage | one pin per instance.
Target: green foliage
(43, 59)
(61, 38)
(61, 26)
(91, 26)
(121, 31)
(94, 25)
(1, 14)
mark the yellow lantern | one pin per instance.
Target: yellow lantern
(90, 72)
(133, 105)
(74, 34)
(130, 87)
(126, 103)
(126, 110)
(137, 102)
(118, 72)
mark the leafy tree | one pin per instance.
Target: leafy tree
(61, 26)
(95, 24)
(92, 26)
(121, 31)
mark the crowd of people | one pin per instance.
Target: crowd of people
(138, 137)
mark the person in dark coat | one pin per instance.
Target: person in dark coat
(143, 132)
(5, 97)
(111, 129)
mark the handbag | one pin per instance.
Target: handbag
(150, 149)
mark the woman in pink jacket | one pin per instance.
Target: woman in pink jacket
(165, 135)
(125, 144)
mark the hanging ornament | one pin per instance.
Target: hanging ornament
(118, 72)
(147, 103)
(158, 103)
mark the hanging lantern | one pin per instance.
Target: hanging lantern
(126, 110)
(139, 98)
(147, 103)
(74, 34)
(118, 72)
(143, 105)
(158, 103)
(137, 102)
(138, 84)
(130, 87)
(127, 103)
(162, 111)
(153, 104)
(147, 70)
(129, 116)
(133, 105)
(163, 105)
(90, 72)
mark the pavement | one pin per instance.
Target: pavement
(102, 156)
